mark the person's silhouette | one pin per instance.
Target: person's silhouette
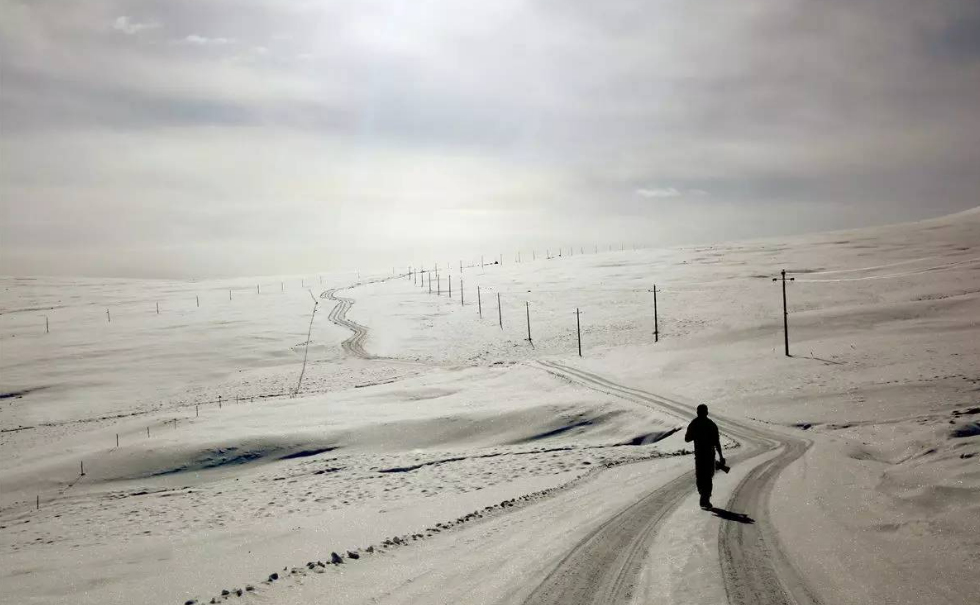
(704, 433)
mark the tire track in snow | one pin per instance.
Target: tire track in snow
(354, 344)
(604, 567)
(754, 567)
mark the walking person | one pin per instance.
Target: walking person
(704, 433)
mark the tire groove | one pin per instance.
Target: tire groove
(353, 344)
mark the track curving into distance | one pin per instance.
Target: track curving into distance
(354, 344)
(604, 566)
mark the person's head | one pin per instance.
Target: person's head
(702, 411)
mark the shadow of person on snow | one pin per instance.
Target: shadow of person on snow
(730, 516)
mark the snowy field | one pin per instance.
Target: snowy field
(432, 455)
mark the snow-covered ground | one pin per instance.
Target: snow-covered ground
(452, 460)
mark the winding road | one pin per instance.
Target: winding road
(354, 344)
(604, 566)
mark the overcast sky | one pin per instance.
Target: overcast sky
(195, 138)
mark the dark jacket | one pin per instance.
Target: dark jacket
(704, 433)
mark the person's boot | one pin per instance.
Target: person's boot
(705, 503)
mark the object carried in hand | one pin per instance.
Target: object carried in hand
(721, 466)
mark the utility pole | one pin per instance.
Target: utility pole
(656, 319)
(479, 302)
(500, 314)
(461, 303)
(578, 330)
(527, 306)
(782, 278)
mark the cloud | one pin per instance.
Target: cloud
(846, 111)
(658, 193)
(128, 27)
(204, 41)
(667, 192)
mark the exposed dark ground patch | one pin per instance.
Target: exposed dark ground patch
(20, 393)
(307, 453)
